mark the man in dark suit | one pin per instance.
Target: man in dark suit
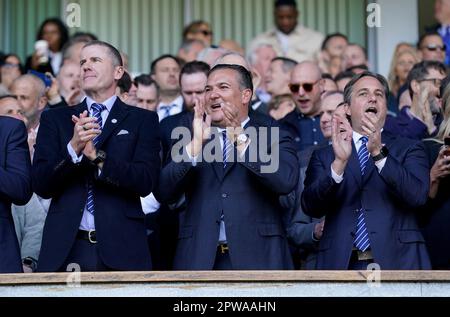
(15, 187)
(369, 185)
(233, 219)
(95, 167)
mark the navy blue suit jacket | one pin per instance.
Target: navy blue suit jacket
(130, 171)
(390, 200)
(15, 187)
(248, 199)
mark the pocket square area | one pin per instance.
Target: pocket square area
(123, 132)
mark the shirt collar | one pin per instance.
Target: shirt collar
(177, 101)
(108, 103)
(357, 137)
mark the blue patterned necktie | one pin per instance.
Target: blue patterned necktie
(166, 109)
(362, 236)
(97, 113)
(227, 148)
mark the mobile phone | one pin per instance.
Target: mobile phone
(47, 80)
(447, 146)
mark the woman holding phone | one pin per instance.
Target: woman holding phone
(436, 214)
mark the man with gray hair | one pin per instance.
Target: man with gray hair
(369, 184)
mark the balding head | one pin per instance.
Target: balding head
(30, 91)
(306, 86)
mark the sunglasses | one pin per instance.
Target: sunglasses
(205, 32)
(308, 87)
(436, 48)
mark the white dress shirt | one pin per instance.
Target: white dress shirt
(176, 109)
(87, 222)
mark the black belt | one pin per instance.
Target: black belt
(222, 248)
(87, 235)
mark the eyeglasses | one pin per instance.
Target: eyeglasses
(205, 32)
(308, 87)
(433, 47)
(436, 81)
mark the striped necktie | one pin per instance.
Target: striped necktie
(227, 148)
(97, 113)
(362, 236)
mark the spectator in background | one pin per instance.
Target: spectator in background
(199, 30)
(232, 46)
(55, 33)
(354, 55)
(165, 70)
(30, 92)
(147, 92)
(66, 89)
(10, 69)
(72, 49)
(330, 56)
(436, 213)
(342, 79)
(306, 86)
(422, 118)
(442, 15)
(210, 55)
(189, 50)
(281, 105)
(431, 47)
(288, 38)
(328, 83)
(260, 58)
(279, 75)
(402, 63)
(123, 89)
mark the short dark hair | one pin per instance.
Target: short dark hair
(112, 51)
(424, 36)
(21, 67)
(421, 70)
(343, 75)
(290, 3)
(361, 66)
(125, 83)
(288, 63)
(331, 36)
(147, 81)
(245, 77)
(327, 76)
(64, 33)
(156, 61)
(195, 67)
(348, 91)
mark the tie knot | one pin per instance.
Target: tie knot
(364, 139)
(96, 107)
(167, 107)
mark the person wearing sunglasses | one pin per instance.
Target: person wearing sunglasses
(369, 184)
(306, 86)
(432, 47)
(199, 30)
(422, 117)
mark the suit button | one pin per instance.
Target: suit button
(224, 195)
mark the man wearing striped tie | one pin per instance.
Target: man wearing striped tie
(369, 184)
(233, 219)
(95, 160)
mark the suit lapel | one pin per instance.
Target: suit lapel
(116, 116)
